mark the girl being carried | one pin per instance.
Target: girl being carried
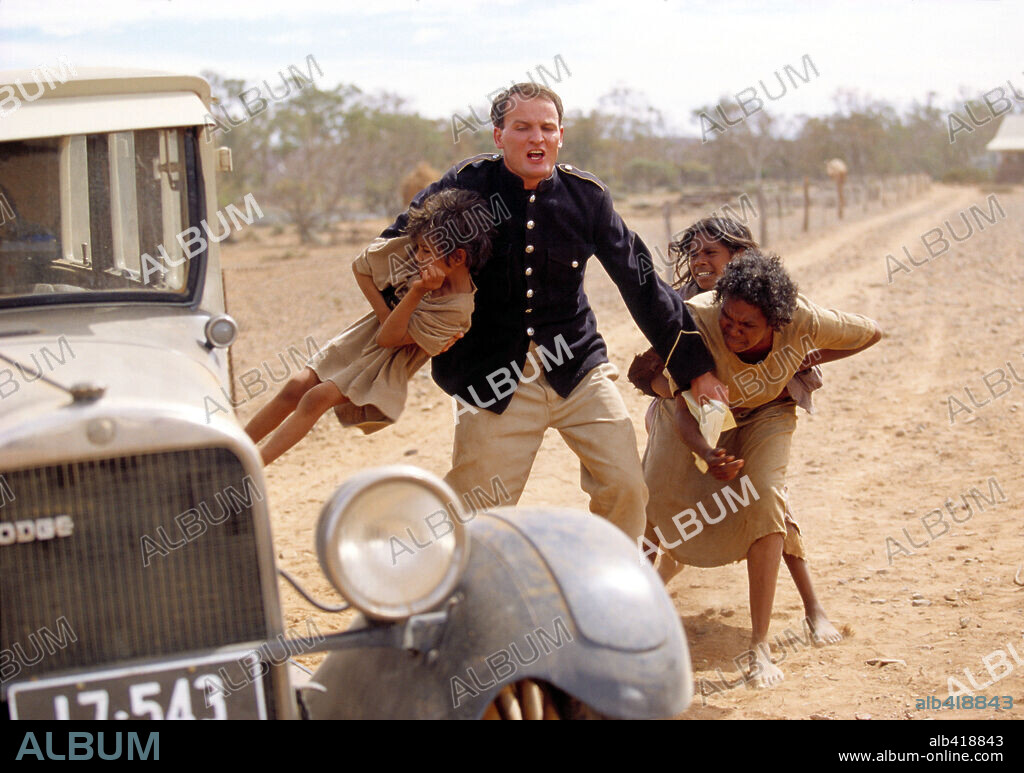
(421, 306)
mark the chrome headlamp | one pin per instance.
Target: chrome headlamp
(390, 540)
(220, 331)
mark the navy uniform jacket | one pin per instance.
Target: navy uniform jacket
(531, 289)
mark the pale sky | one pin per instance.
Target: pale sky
(446, 54)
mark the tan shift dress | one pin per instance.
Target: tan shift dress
(374, 378)
(702, 521)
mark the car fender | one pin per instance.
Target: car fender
(553, 595)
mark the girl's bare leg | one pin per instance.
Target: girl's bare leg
(763, 559)
(651, 536)
(667, 566)
(822, 629)
(283, 403)
(314, 404)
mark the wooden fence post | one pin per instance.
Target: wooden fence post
(764, 214)
(807, 203)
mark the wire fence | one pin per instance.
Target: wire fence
(782, 210)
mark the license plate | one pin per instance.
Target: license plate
(215, 687)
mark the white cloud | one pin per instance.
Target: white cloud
(428, 35)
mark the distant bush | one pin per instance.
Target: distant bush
(645, 174)
(966, 176)
(998, 188)
(694, 172)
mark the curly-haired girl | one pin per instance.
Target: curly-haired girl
(760, 331)
(420, 305)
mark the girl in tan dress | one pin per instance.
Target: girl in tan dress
(702, 252)
(760, 332)
(421, 306)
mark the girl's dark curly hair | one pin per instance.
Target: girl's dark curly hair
(735, 236)
(761, 281)
(453, 219)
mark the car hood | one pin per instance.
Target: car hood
(141, 359)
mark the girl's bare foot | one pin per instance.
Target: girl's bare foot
(822, 630)
(764, 673)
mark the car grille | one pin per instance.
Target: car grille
(206, 593)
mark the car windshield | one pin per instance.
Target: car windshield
(97, 217)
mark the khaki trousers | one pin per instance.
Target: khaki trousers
(595, 425)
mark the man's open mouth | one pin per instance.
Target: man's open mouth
(535, 155)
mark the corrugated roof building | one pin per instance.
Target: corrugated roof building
(1009, 144)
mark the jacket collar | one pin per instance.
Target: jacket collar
(514, 181)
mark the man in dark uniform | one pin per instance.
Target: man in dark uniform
(533, 358)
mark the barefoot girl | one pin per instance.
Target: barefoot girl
(364, 371)
(702, 252)
(760, 332)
